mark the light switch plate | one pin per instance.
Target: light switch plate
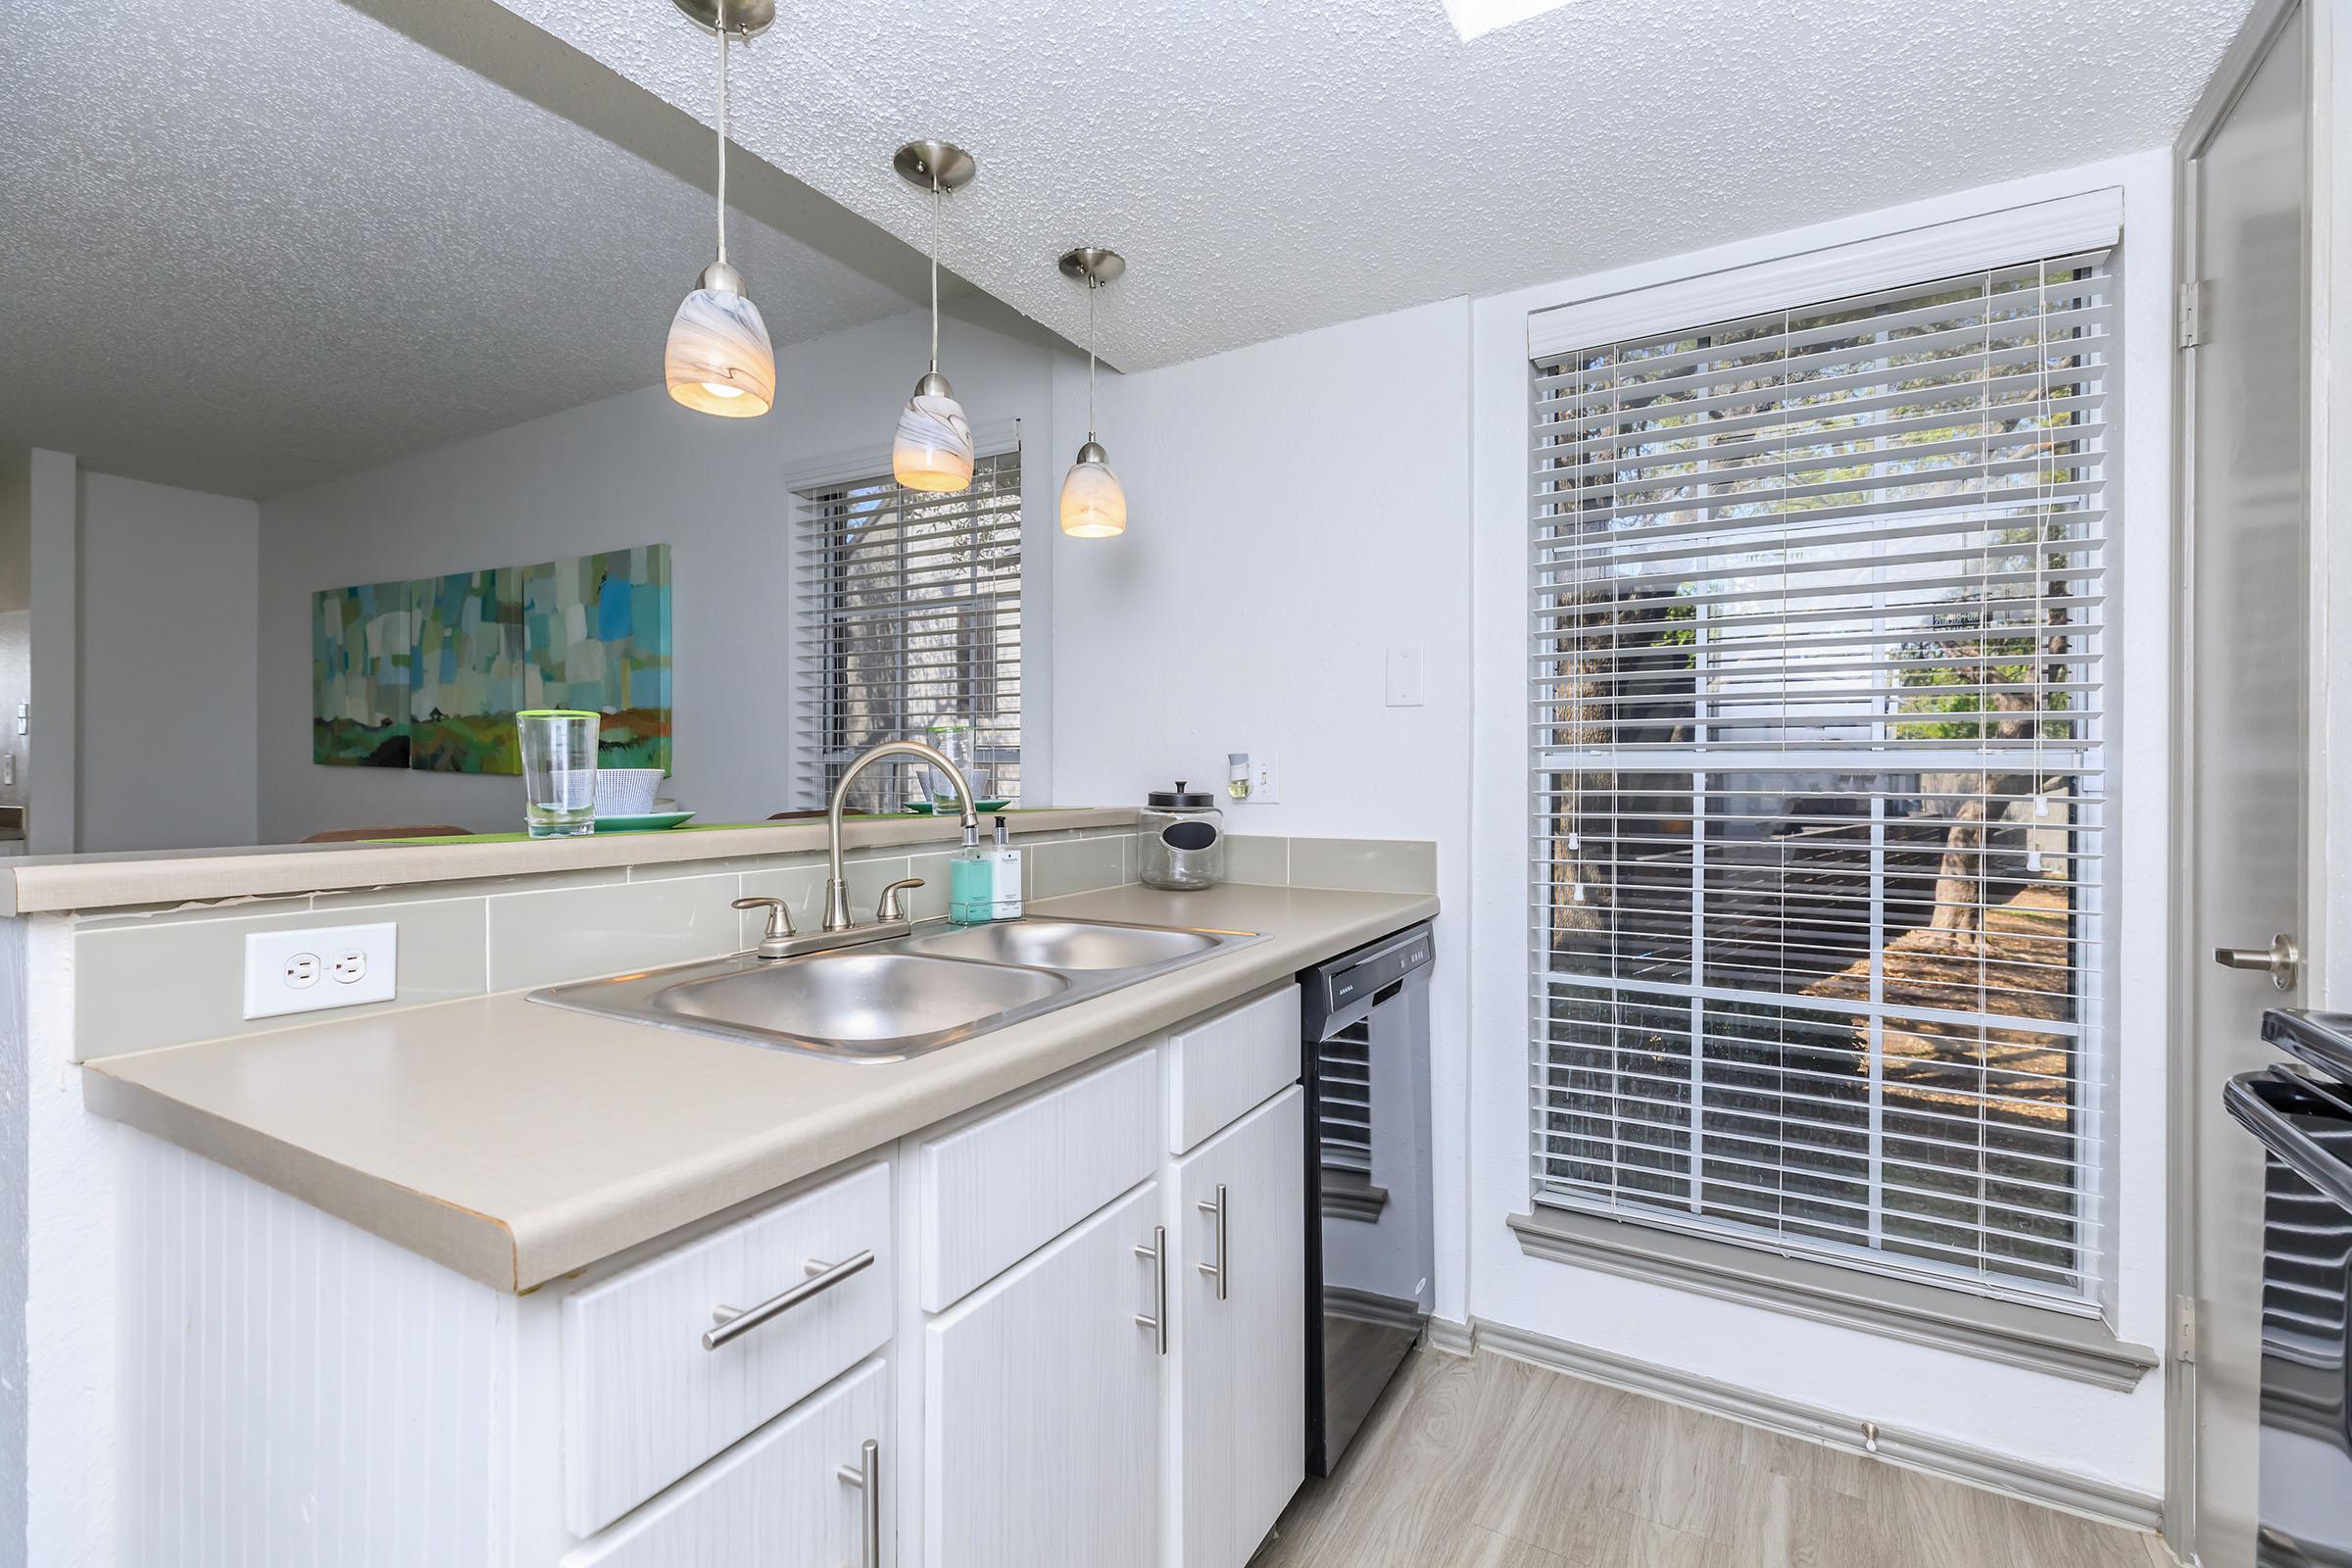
(1265, 779)
(1405, 677)
(326, 967)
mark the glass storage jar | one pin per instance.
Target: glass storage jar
(1183, 838)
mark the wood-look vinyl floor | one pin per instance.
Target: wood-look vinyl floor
(1487, 1462)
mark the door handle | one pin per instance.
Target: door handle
(1217, 1270)
(1156, 1320)
(2282, 960)
(867, 1476)
(732, 1322)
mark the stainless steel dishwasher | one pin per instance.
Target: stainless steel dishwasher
(2303, 1117)
(1369, 1250)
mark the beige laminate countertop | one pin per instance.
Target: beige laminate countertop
(515, 1142)
(39, 884)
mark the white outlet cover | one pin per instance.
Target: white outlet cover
(268, 955)
(1405, 677)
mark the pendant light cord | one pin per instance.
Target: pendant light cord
(934, 274)
(1091, 286)
(722, 138)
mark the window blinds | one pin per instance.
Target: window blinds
(1818, 619)
(909, 617)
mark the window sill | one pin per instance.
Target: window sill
(2081, 1349)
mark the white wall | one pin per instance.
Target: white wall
(2063, 1426)
(16, 528)
(54, 567)
(629, 470)
(1296, 509)
(165, 648)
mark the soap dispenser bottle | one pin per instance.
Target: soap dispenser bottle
(971, 882)
(1006, 864)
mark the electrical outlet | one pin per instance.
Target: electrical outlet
(284, 969)
(1265, 779)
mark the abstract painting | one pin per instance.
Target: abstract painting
(363, 664)
(468, 673)
(429, 674)
(597, 632)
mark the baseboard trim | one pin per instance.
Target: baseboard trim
(1448, 1338)
(1369, 1306)
(2095, 1498)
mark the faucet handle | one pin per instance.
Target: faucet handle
(780, 917)
(892, 908)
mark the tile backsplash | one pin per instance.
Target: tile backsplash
(165, 977)
(1355, 865)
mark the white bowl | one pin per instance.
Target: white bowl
(626, 791)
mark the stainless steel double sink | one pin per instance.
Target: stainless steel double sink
(890, 999)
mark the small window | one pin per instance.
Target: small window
(910, 619)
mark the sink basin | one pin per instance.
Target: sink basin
(1080, 945)
(858, 996)
(897, 996)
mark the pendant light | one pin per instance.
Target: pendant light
(933, 450)
(1094, 505)
(719, 360)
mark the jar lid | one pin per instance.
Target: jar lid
(1180, 798)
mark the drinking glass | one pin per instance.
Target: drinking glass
(559, 771)
(953, 739)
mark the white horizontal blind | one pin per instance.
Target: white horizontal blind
(909, 615)
(1344, 1071)
(1816, 702)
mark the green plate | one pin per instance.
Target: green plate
(652, 823)
(984, 808)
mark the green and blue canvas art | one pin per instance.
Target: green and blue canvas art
(362, 662)
(598, 631)
(429, 674)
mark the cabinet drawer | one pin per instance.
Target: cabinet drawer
(1226, 1065)
(997, 1191)
(777, 1498)
(644, 1403)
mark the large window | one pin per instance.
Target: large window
(909, 618)
(1817, 615)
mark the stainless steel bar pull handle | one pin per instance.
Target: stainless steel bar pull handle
(1217, 1270)
(735, 1322)
(2282, 960)
(1156, 1320)
(867, 1476)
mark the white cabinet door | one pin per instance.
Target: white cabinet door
(1239, 1422)
(779, 1499)
(1041, 1406)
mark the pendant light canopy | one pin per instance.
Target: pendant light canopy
(933, 449)
(719, 360)
(1094, 504)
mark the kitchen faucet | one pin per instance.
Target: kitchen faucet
(837, 885)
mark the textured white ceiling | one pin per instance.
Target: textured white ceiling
(246, 245)
(1269, 166)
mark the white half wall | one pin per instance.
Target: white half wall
(1296, 510)
(634, 470)
(166, 646)
(2064, 1427)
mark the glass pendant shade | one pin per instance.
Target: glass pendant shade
(719, 360)
(933, 450)
(1094, 504)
